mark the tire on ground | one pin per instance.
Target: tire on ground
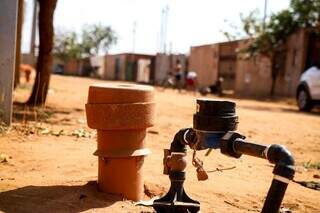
(303, 99)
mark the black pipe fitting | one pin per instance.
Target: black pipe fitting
(176, 200)
(283, 160)
(278, 154)
(179, 144)
(234, 145)
(247, 148)
(214, 124)
(283, 173)
(274, 197)
(227, 144)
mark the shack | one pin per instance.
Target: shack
(253, 76)
(213, 61)
(97, 64)
(72, 67)
(165, 63)
(130, 67)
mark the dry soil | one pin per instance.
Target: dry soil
(48, 164)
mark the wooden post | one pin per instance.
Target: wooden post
(8, 34)
(18, 44)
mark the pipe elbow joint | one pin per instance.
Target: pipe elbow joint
(181, 139)
(283, 160)
(278, 154)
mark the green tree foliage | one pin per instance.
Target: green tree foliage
(97, 39)
(306, 12)
(67, 46)
(93, 40)
(272, 36)
(269, 38)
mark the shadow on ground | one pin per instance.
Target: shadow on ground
(55, 199)
(22, 112)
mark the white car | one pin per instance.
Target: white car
(308, 91)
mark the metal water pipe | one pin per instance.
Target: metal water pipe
(214, 126)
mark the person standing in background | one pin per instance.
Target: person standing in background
(191, 81)
(178, 75)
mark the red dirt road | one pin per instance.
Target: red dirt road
(50, 170)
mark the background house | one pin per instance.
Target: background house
(165, 63)
(213, 61)
(204, 61)
(98, 64)
(72, 67)
(130, 67)
(253, 76)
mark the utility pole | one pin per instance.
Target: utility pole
(134, 36)
(8, 42)
(265, 13)
(163, 29)
(170, 47)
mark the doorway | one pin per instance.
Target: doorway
(313, 52)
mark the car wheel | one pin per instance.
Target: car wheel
(304, 101)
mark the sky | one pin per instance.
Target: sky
(189, 22)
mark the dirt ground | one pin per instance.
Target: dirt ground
(48, 166)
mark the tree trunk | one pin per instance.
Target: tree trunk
(33, 32)
(44, 63)
(18, 48)
(278, 59)
(273, 85)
